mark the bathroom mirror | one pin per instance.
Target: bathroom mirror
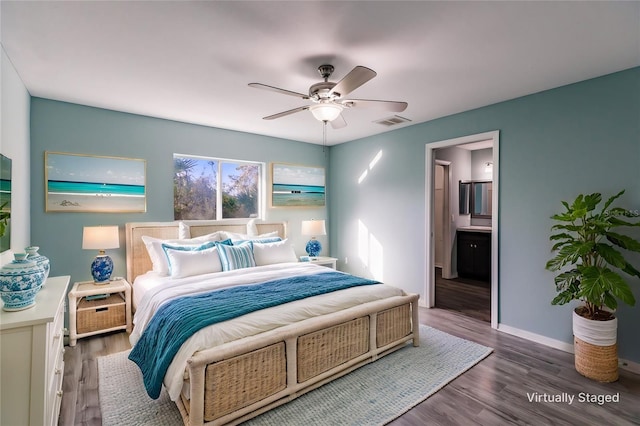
(481, 196)
(464, 193)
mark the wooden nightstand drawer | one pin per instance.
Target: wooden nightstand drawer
(94, 315)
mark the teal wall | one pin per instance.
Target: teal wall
(65, 127)
(579, 138)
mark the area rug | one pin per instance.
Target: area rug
(371, 395)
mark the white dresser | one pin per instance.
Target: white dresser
(31, 359)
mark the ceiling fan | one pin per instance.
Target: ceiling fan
(329, 99)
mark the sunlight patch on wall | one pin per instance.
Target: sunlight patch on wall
(370, 252)
(363, 176)
(375, 160)
(372, 164)
(363, 243)
(375, 257)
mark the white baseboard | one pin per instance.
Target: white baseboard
(631, 366)
(623, 364)
(538, 338)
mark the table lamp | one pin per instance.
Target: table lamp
(313, 228)
(101, 238)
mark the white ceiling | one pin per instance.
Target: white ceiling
(192, 61)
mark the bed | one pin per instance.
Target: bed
(230, 379)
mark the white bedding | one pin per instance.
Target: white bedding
(157, 290)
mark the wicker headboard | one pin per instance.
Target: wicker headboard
(138, 261)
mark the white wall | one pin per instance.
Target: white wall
(14, 143)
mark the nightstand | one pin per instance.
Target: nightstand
(329, 262)
(99, 308)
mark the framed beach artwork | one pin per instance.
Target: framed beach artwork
(297, 186)
(5, 203)
(90, 183)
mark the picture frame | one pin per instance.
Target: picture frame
(94, 184)
(295, 185)
(5, 203)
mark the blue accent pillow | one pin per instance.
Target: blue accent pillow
(236, 257)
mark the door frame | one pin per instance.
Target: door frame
(446, 215)
(430, 284)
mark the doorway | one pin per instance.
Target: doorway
(432, 222)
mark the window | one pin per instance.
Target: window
(215, 188)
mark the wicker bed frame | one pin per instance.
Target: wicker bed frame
(234, 382)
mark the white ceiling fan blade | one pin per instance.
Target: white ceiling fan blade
(356, 78)
(393, 106)
(284, 113)
(278, 90)
(339, 122)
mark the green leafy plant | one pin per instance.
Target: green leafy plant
(585, 241)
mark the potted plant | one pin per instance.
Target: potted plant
(592, 271)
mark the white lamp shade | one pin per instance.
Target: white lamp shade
(325, 111)
(313, 227)
(100, 237)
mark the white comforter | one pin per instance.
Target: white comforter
(158, 290)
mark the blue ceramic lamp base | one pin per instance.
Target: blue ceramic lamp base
(313, 247)
(101, 269)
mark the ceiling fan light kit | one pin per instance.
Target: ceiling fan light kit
(328, 98)
(326, 111)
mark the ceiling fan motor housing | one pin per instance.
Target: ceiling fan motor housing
(320, 91)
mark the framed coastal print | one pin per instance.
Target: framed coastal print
(5, 203)
(90, 183)
(297, 186)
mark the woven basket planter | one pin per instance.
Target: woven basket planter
(595, 348)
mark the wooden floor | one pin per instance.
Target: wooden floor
(494, 392)
(464, 295)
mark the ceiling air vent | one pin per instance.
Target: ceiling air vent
(392, 121)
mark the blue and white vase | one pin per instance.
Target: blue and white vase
(20, 280)
(313, 247)
(101, 268)
(41, 261)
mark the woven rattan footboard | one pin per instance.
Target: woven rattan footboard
(242, 379)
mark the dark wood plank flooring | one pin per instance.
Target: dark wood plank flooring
(494, 392)
(464, 295)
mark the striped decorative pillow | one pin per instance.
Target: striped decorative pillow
(236, 257)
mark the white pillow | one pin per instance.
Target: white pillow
(186, 263)
(184, 233)
(234, 236)
(252, 229)
(270, 253)
(157, 255)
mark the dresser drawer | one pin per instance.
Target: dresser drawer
(54, 390)
(55, 340)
